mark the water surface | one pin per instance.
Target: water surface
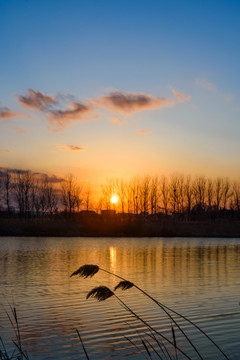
(197, 277)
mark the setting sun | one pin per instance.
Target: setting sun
(114, 199)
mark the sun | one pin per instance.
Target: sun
(114, 199)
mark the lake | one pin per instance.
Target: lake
(199, 278)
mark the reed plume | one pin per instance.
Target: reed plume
(124, 285)
(86, 271)
(100, 293)
(90, 270)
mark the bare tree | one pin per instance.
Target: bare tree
(199, 191)
(236, 195)
(154, 194)
(218, 191)
(181, 184)
(44, 196)
(144, 194)
(87, 197)
(71, 192)
(7, 186)
(188, 192)
(121, 191)
(22, 188)
(226, 192)
(135, 194)
(108, 190)
(209, 195)
(164, 192)
(174, 193)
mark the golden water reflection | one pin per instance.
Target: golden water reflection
(198, 277)
(113, 257)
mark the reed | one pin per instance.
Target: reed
(102, 293)
(18, 353)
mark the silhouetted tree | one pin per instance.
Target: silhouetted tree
(22, 189)
(188, 192)
(164, 192)
(199, 191)
(87, 197)
(144, 194)
(154, 194)
(227, 192)
(209, 193)
(108, 190)
(70, 194)
(218, 192)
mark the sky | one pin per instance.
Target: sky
(113, 89)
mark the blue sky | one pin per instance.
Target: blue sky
(81, 51)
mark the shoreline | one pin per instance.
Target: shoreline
(102, 227)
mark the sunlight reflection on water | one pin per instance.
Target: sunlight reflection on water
(196, 277)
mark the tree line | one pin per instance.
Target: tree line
(176, 194)
(30, 193)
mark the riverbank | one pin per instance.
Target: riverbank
(115, 227)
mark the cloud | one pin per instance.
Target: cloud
(129, 103)
(181, 97)
(6, 113)
(143, 132)
(71, 147)
(17, 129)
(75, 148)
(51, 178)
(205, 84)
(5, 150)
(62, 118)
(116, 119)
(36, 100)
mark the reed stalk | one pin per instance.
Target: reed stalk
(90, 270)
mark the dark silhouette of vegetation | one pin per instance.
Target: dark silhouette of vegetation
(102, 293)
(149, 204)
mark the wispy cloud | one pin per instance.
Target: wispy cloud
(205, 84)
(76, 112)
(143, 132)
(6, 113)
(60, 114)
(36, 100)
(71, 147)
(5, 150)
(116, 119)
(50, 178)
(180, 97)
(129, 103)
(17, 129)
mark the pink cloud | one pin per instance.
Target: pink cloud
(6, 113)
(143, 132)
(129, 103)
(5, 150)
(181, 97)
(36, 100)
(116, 119)
(18, 130)
(71, 148)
